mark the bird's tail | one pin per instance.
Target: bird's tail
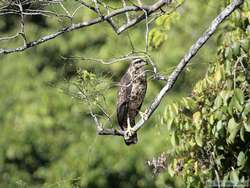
(131, 140)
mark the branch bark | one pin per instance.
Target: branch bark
(150, 9)
(184, 61)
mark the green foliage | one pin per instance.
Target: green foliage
(88, 87)
(210, 129)
(158, 34)
(47, 137)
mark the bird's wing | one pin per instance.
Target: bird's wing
(143, 95)
(124, 92)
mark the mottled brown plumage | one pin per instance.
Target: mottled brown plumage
(131, 93)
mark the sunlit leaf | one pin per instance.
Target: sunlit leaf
(236, 48)
(246, 110)
(174, 139)
(228, 53)
(233, 129)
(245, 43)
(170, 170)
(241, 160)
(218, 102)
(226, 95)
(197, 119)
(247, 125)
(242, 133)
(239, 95)
(234, 176)
(199, 138)
(218, 75)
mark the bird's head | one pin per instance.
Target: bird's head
(139, 63)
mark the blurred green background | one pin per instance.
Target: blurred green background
(48, 138)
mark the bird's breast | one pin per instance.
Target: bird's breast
(138, 91)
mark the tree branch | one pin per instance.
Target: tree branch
(185, 60)
(101, 131)
(150, 9)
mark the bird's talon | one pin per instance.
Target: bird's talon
(129, 132)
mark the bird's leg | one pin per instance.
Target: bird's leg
(129, 131)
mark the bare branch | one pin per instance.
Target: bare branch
(175, 74)
(97, 10)
(10, 37)
(149, 9)
(127, 14)
(67, 12)
(185, 60)
(101, 131)
(128, 57)
(22, 32)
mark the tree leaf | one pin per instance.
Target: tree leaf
(239, 95)
(225, 96)
(234, 105)
(174, 139)
(170, 170)
(228, 53)
(246, 110)
(247, 125)
(242, 133)
(241, 160)
(189, 103)
(197, 119)
(236, 48)
(218, 74)
(245, 42)
(233, 129)
(218, 102)
(228, 66)
(234, 176)
(199, 138)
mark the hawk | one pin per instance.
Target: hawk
(131, 92)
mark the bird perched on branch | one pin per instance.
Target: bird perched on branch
(131, 93)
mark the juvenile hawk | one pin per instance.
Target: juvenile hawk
(131, 92)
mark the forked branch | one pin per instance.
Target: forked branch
(181, 66)
(149, 9)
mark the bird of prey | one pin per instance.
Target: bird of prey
(131, 92)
